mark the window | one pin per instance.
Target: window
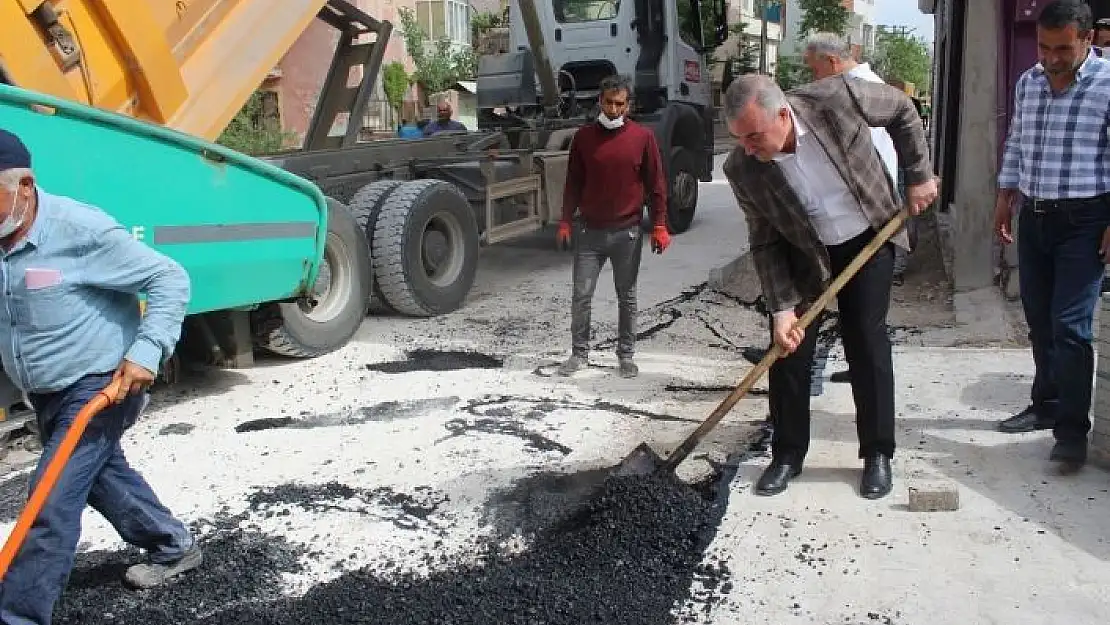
(689, 27)
(576, 11)
(445, 18)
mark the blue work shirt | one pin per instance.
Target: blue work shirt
(409, 131)
(435, 126)
(81, 313)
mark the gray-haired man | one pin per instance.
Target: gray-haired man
(814, 199)
(828, 54)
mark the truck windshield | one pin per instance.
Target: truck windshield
(576, 11)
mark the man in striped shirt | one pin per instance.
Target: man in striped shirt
(1056, 169)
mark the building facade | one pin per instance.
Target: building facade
(860, 32)
(979, 56)
(745, 19)
(295, 83)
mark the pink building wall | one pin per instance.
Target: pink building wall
(305, 65)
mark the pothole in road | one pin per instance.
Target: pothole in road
(179, 429)
(380, 412)
(416, 510)
(438, 360)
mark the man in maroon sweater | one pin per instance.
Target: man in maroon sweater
(614, 167)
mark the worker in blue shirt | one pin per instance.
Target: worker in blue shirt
(443, 121)
(409, 130)
(69, 325)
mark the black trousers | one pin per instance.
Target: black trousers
(863, 306)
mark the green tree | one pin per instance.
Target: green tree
(791, 72)
(688, 28)
(486, 21)
(902, 56)
(826, 16)
(439, 64)
(254, 133)
(395, 82)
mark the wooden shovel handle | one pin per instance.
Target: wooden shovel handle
(775, 352)
(53, 471)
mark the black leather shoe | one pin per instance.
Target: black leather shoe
(777, 476)
(753, 355)
(841, 376)
(1027, 420)
(1071, 456)
(877, 479)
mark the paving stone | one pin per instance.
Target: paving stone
(934, 496)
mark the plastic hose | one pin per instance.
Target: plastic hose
(54, 469)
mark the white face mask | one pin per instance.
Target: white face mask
(610, 124)
(13, 221)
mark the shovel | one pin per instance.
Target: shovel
(53, 471)
(644, 461)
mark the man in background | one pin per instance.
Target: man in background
(614, 165)
(1101, 39)
(443, 121)
(1056, 171)
(828, 54)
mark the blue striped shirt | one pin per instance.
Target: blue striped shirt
(81, 315)
(1059, 143)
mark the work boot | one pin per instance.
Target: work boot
(627, 368)
(571, 365)
(1071, 456)
(149, 574)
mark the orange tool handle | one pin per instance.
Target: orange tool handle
(54, 469)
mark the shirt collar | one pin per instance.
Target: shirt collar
(800, 131)
(1084, 67)
(42, 214)
(861, 69)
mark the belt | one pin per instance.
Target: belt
(1044, 206)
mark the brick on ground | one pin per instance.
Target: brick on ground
(935, 496)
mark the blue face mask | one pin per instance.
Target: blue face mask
(13, 221)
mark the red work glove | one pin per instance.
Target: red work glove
(562, 237)
(660, 239)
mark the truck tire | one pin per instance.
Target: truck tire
(366, 205)
(425, 248)
(343, 287)
(682, 196)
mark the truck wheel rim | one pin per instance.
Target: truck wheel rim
(333, 282)
(442, 249)
(685, 191)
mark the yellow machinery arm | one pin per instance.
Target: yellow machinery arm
(187, 64)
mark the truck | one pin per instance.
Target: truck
(121, 104)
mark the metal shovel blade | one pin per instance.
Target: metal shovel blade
(642, 461)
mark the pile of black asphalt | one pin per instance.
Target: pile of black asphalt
(631, 555)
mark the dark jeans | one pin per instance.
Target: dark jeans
(1060, 275)
(623, 247)
(97, 474)
(863, 305)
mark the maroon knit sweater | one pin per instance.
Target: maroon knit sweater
(611, 174)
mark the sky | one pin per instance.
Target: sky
(904, 13)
